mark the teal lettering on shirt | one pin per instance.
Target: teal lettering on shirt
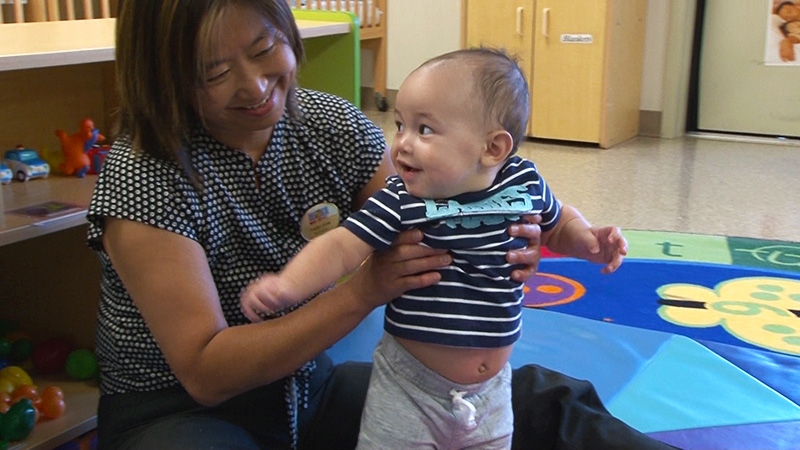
(507, 204)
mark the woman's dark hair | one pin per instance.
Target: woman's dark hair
(160, 46)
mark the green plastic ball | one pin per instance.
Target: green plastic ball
(5, 346)
(82, 364)
(20, 350)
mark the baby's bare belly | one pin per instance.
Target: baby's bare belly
(459, 364)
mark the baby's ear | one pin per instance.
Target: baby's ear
(498, 145)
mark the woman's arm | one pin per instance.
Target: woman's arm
(168, 277)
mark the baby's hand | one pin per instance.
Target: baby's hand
(262, 296)
(611, 248)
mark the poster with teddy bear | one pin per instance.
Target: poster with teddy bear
(783, 33)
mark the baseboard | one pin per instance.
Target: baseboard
(368, 98)
(650, 123)
(744, 138)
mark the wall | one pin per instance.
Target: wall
(655, 50)
(420, 29)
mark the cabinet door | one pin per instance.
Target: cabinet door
(504, 24)
(568, 73)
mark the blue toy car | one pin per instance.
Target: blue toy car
(5, 174)
(26, 164)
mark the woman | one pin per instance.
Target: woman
(220, 162)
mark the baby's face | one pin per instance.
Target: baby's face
(789, 12)
(441, 134)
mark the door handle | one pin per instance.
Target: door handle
(520, 11)
(546, 23)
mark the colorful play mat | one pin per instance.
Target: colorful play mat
(695, 340)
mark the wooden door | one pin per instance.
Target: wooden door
(568, 75)
(507, 24)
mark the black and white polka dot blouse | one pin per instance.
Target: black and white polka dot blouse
(245, 228)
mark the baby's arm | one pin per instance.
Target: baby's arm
(574, 236)
(319, 264)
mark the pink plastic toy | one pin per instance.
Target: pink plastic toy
(75, 148)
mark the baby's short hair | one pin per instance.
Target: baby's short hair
(501, 85)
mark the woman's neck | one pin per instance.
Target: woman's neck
(253, 144)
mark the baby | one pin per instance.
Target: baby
(441, 373)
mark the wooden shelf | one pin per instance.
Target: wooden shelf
(16, 227)
(48, 44)
(80, 416)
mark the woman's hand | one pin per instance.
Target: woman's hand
(530, 255)
(406, 265)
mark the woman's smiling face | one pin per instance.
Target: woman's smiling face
(249, 72)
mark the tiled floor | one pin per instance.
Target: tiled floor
(689, 184)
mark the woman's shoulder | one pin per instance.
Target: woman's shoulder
(122, 156)
(312, 100)
(328, 118)
(322, 109)
(127, 169)
(142, 188)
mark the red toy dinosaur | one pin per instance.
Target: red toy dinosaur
(75, 146)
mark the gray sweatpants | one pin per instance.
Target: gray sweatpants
(409, 406)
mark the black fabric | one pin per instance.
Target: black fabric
(338, 418)
(555, 411)
(171, 418)
(551, 411)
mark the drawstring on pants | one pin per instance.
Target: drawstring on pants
(463, 409)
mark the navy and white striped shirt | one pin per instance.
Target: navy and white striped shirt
(476, 304)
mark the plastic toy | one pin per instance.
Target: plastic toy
(97, 155)
(13, 377)
(51, 403)
(50, 356)
(21, 349)
(17, 423)
(82, 364)
(76, 146)
(26, 164)
(5, 174)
